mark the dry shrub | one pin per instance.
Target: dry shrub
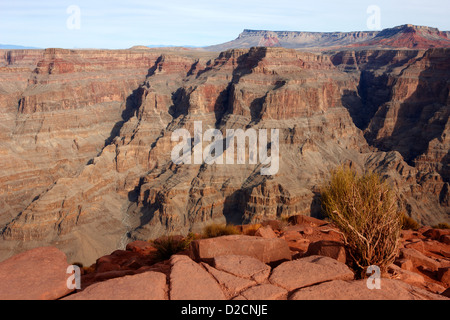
(217, 230)
(251, 229)
(442, 225)
(169, 245)
(364, 209)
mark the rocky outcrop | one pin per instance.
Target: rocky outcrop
(232, 277)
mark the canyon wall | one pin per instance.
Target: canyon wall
(86, 144)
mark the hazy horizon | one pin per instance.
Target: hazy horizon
(119, 25)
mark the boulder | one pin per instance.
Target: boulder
(327, 248)
(404, 264)
(144, 286)
(434, 287)
(418, 245)
(37, 274)
(358, 290)
(308, 271)
(419, 259)
(266, 250)
(306, 230)
(274, 224)
(243, 266)
(444, 276)
(266, 232)
(435, 234)
(189, 281)
(445, 238)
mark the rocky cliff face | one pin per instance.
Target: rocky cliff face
(87, 141)
(294, 39)
(405, 36)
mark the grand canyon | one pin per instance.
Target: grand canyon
(85, 139)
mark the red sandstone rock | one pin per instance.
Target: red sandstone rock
(37, 274)
(358, 290)
(266, 232)
(444, 276)
(265, 292)
(243, 266)
(265, 250)
(231, 283)
(419, 259)
(304, 272)
(189, 281)
(145, 286)
(332, 249)
(436, 234)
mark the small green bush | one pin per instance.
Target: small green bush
(217, 230)
(364, 208)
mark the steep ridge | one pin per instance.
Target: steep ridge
(131, 189)
(402, 104)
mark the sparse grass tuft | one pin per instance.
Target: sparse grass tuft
(409, 223)
(251, 230)
(442, 225)
(364, 209)
(217, 230)
(169, 245)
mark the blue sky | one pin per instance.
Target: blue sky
(122, 24)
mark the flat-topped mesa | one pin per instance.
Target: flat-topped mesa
(405, 36)
(293, 39)
(408, 36)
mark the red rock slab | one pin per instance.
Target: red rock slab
(332, 249)
(308, 271)
(37, 274)
(189, 281)
(419, 259)
(265, 292)
(243, 266)
(266, 232)
(144, 286)
(265, 250)
(231, 283)
(358, 290)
